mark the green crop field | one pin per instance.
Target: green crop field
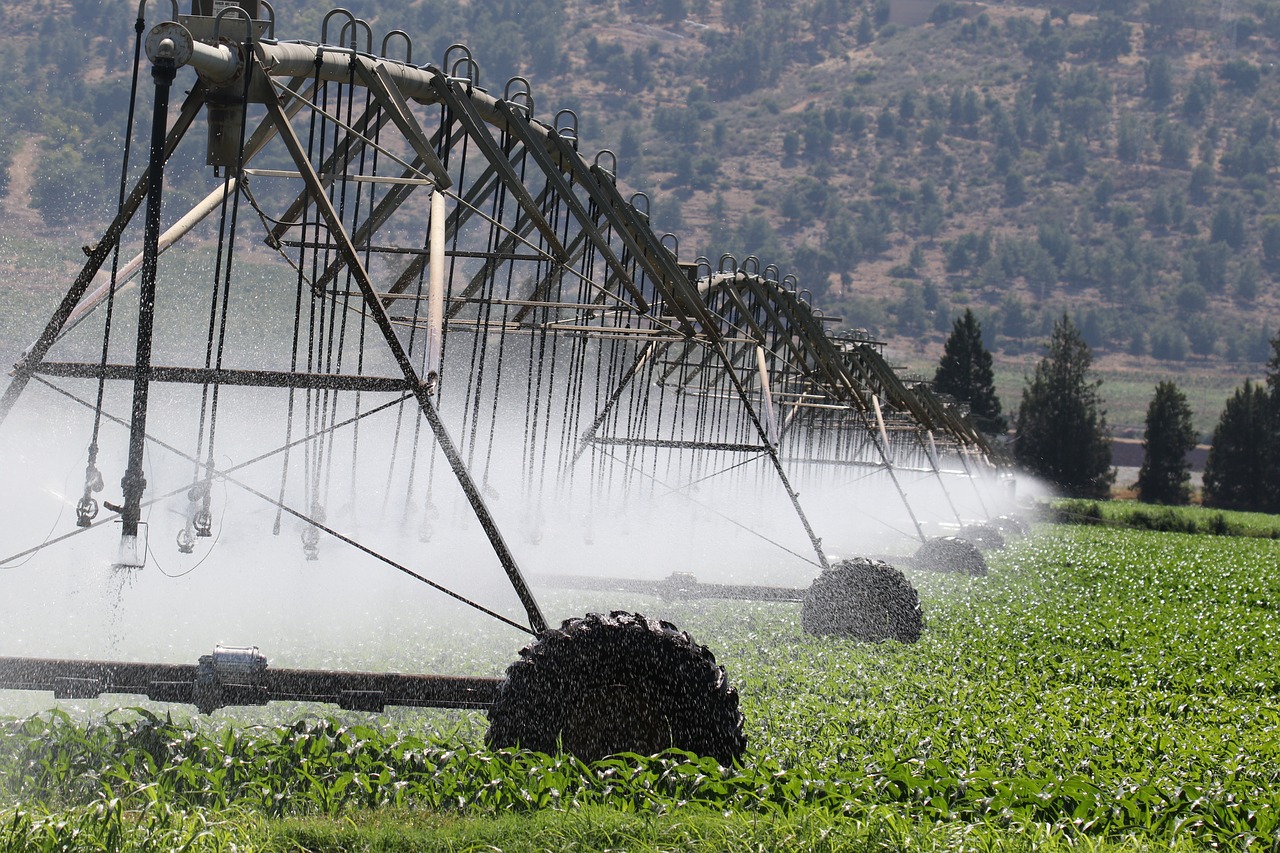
(1101, 689)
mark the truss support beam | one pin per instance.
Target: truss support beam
(522, 130)
(773, 456)
(766, 397)
(420, 388)
(671, 444)
(227, 377)
(464, 111)
(384, 89)
(435, 290)
(467, 206)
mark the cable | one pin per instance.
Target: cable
(222, 518)
(121, 422)
(226, 477)
(715, 511)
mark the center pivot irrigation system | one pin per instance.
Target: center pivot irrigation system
(387, 246)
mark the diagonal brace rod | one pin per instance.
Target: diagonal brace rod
(420, 391)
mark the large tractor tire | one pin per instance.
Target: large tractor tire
(951, 554)
(863, 599)
(602, 685)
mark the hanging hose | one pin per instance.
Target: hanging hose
(87, 507)
(163, 71)
(202, 517)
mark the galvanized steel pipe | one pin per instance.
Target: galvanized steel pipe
(218, 64)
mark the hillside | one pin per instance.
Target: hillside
(905, 159)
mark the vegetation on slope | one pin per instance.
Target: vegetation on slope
(1110, 159)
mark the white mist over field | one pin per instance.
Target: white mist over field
(247, 585)
(626, 512)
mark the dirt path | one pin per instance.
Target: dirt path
(19, 214)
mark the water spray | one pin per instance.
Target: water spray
(443, 254)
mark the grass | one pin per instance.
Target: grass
(601, 828)
(583, 829)
(1103, 688)
(1126, 392)
(1169, 519)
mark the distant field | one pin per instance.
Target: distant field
(1126, 389)
(35, 273)
(1127, 394)
(1180, 519)
(1101, 689)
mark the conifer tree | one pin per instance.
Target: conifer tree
(1239, 471)
(1062, 432)
(965, 374)
(1165, 475)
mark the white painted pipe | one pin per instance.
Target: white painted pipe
(766, 393)
(884, 435)
(435, 291)
(218, 63)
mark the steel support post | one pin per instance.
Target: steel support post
(772, 452)
(881, 441)
(134, 483)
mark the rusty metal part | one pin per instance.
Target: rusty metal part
(220, 681)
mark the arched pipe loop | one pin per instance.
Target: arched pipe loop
(142, 10)
(605, 154)
(805, 297)
(671, 243)
(271, 18)
(569, 130)
(636, 199)
(772, 274)
(453, 67)
(790, 283)
(519, 93)
(472, 75)
(350, 31)
(408, 45)
(750, 266)
(324, 25)
(235, 12)
(456, 46)
(701, 263)
(728, 263)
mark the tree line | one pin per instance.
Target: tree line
(1060, 431)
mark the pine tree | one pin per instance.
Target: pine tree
(866, 30)
(1238, 473)
(1165, 475)
(1062, 432)
(965, 374)
(1273, 372)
